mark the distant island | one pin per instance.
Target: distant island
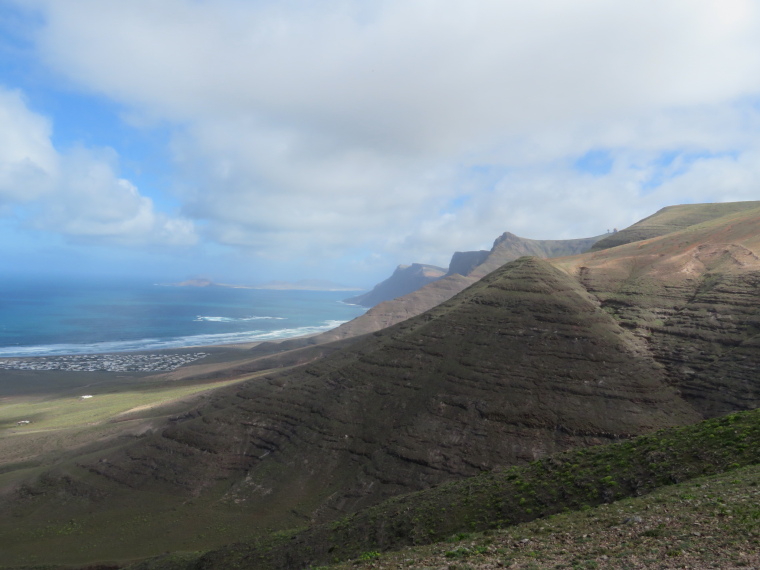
(302, 285)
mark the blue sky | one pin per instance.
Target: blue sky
(249, 141)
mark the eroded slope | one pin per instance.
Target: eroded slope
(694, 297)
(521, 365)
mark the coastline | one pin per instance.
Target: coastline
(41, 321)
(151, 361)
(168, 345)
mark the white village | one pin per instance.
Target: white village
(124, 362)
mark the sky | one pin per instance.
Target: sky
(252, 140)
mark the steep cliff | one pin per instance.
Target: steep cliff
(405, 279)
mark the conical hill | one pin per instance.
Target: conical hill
(522, 364)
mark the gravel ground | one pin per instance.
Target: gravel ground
(711, 522)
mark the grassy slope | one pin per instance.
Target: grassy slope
(708, 522)
(63, 422)
(124, 407)
(671, 219)
(122, 402)
(573, 481)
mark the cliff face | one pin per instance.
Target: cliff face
(463, 262)
(405, 279)
(464, 270)
(693, 296)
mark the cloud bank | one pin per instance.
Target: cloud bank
(408, 129)
(77, 193)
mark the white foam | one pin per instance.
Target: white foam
(166, 343)
(235, 319)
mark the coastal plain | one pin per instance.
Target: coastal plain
(52, 405)
(89, 414)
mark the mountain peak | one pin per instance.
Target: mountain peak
(522, 364)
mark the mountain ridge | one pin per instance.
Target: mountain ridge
(465, 269)
(507, 247)
(670, 219)
(537, 357)
(403, 419)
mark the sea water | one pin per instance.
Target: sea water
(40, 318)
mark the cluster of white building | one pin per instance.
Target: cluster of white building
(124, 362)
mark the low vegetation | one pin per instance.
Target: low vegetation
(708, 522)
(575, 481)
(49, 520)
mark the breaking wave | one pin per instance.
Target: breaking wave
(236, 319)
(166, 343)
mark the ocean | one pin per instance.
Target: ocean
(65, 317)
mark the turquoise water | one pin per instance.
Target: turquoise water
(47, 318)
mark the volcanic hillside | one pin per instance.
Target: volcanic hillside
(537, 357)
(522, 364)
(527, 361)
(465, 269)
(693, 296)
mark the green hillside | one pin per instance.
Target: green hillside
(671, 219)
(708, 522)
(572, 481)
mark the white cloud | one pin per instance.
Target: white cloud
(27, 159)
(76, 193)
(312, 129)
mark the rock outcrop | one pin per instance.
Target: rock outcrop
(405, 279)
